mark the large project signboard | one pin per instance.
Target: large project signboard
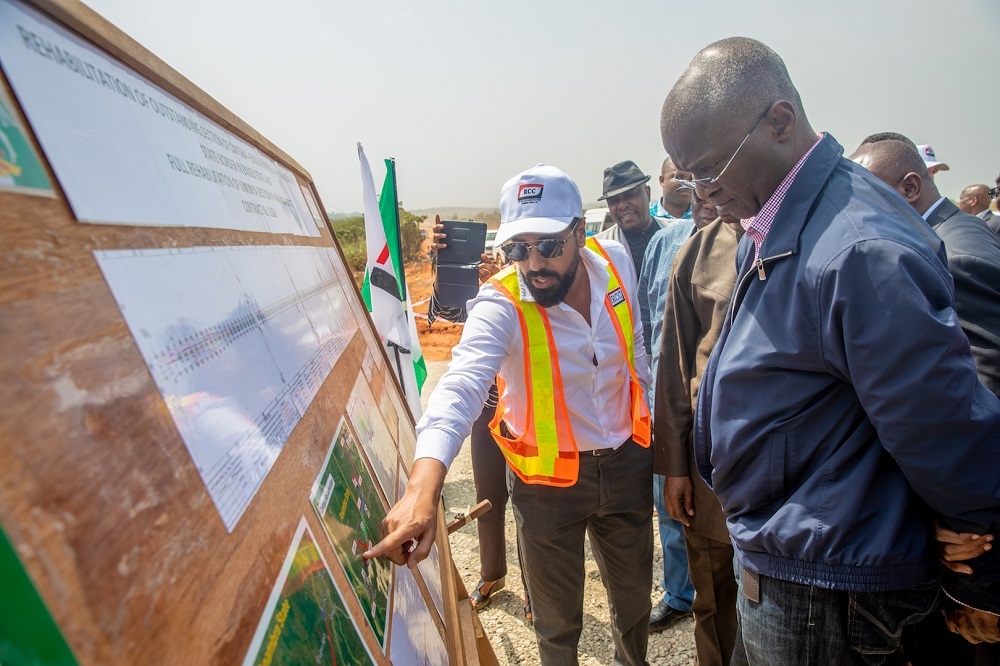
(201, 433)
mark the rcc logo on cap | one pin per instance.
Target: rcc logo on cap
(929, 152)
(530, 193)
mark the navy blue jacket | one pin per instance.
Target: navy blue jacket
(842, 398)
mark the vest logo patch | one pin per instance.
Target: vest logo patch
(617, 297)
(529, 193)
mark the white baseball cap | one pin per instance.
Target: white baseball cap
(930, 158)
(541, 200)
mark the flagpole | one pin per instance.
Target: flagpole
(399, 364)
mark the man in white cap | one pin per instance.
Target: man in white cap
(561, 328)
(931, 160)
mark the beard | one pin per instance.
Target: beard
(557, 292)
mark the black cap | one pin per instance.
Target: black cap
(621, 178)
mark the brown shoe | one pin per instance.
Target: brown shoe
(527, 612)
(480, 597)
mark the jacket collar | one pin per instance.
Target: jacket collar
(939, 215)
(791, 218)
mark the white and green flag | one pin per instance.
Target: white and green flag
(384, 290)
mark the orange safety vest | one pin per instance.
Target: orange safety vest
(546, 452)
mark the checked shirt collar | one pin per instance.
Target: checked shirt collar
(758, 226)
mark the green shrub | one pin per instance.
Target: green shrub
(350, 233)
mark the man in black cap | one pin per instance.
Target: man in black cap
(627, 194)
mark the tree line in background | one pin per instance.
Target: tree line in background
(350, 232)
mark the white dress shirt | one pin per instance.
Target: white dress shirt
(927, 213)
(597, 395)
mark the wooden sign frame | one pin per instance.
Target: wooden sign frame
(99, 499)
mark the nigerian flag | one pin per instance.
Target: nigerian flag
(384, 289)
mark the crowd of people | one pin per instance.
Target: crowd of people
(793, 355)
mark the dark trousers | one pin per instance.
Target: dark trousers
(714, 608)
(489, 471)
(930, 643)
(612, 503)
(801, 625)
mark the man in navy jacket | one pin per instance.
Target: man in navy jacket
(841, 402)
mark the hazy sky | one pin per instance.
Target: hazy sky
(464, 94)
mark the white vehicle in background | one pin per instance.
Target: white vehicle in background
(495, 253)
(597, 220)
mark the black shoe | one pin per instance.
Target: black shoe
(480, 597)
(663, 616)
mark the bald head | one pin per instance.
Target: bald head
(735, 77)
(974, 199)
(888, 136)
(735, 122)
(898, 164)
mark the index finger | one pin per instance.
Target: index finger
(391, 546)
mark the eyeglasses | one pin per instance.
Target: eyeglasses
(994, 192)
(549, 248)
(692, 183)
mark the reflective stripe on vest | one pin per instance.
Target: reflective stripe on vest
(546, 453)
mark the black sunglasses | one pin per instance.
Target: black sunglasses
(994, 191)
(549, 248)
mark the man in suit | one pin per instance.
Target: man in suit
(973, 250)
(975, 200)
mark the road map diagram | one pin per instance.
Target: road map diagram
(349, 506)
(305, 620)
(238, 341)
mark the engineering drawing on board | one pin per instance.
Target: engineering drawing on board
(238, 341)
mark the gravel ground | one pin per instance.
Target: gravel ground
(512, 638)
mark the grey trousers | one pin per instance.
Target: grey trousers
(612, 502)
